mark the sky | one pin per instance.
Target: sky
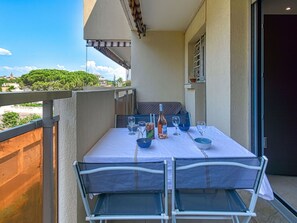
(38, 34)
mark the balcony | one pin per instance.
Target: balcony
(80, 120)
(36, 159)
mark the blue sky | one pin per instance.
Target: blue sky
(36, 34)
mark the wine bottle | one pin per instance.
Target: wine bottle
(162, 124)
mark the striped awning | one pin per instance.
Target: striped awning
(108, 43)
(109, 48)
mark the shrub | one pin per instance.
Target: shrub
(10, 119)
(31, 104)
(29, 118)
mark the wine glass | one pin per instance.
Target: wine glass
(175, 122)
(201, 126)
(131, 123)
(141, 127)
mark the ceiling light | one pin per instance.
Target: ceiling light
(288, 8)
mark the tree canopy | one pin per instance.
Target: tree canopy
(52, 79)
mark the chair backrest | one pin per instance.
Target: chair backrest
(219, 173)
(174, 108)
(121, 177)
(122, 120)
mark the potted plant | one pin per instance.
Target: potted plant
(192, 79)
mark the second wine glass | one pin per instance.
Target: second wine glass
(141, 127)
(175, 122)
(131, 123)
(201, 126)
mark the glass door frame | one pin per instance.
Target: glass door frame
(258, 141)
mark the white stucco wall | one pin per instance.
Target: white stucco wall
(195, 101)
(240, 72)
(195, 95)
(218, 60)
(84, 119)
(67, 153)
(193, 33)
(105, 19)
(158, 66)
(226, 23)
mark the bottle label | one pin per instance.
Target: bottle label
(164, 129)
(150, 130)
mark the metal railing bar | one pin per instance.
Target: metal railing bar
(48, 204)
(19, 130)
(12, 98)
(126, 96)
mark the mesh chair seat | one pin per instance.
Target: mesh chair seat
(124, 191)
(209, 200)
(129, 204)
(206, 187)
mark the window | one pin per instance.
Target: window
(199, 59)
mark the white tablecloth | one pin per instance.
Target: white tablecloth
(117, 146)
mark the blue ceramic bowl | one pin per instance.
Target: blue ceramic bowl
(184, 127)
(203, 143)
(144, 142)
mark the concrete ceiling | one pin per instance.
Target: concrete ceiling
(168, 15)
(279, 7)
(160, 15)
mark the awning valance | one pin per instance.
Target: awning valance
(108, 43)
(136, 14)
(113, 50)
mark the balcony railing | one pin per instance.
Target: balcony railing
(29, 160)
(125, 98)
(28, 163)
(21, 162)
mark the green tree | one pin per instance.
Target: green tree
(52, 79)
(120, 80)
(10, 88)
(2, 81)
(128, 83)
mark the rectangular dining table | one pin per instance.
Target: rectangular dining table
(117, 146)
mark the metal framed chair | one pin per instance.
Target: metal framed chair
(207, 188)
(123, 191)
(173, 107)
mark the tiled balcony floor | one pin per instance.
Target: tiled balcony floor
(265, 214)
(285, 187)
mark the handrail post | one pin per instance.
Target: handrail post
(127, 102)
(117, 102)
(134, 103)
(49, 213)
